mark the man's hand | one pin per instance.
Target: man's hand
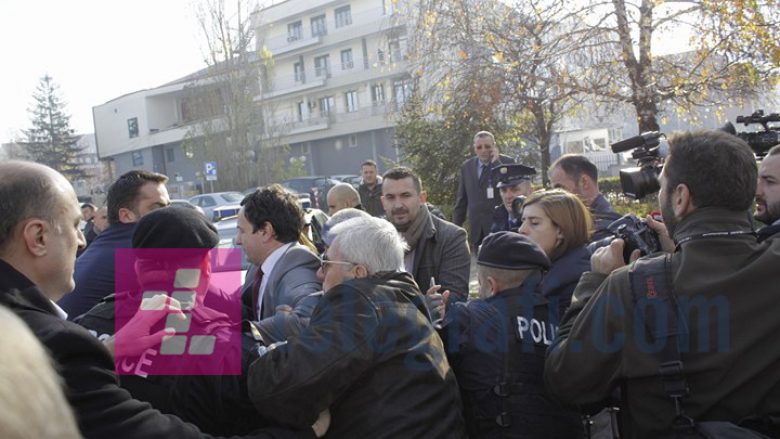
(437, 302)
(322, 424)
(138, 329)
(494, 155)
(609, 258)
(667, 243)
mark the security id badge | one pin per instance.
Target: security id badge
(490, 193)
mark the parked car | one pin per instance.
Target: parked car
(228, 229)
(184, 204)
(226, 211)
(344, 177)
(316, 186)
(208, 202)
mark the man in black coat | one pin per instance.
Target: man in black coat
(369, 354)
(477, 193)
(39, 236)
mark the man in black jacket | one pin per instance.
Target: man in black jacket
(369, 354)
(39, 236)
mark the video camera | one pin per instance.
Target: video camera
(759, 141)
(634, 232)
(650, 149)
(517, 206)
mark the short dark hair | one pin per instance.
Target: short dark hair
(277, 206)
(90, 205)
(574, 165)
(123, 193)
(368, 162)
(401, 172)
(26, 191)
(718, 168)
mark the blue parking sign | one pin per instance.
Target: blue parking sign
(210, 170)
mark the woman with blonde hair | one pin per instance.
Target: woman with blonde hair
(561, 225)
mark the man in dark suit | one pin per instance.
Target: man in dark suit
(39, 237)
(477, 191)
(284, 273)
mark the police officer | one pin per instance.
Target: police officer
(496, 345)
(513, 181)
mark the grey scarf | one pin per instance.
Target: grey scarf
(412, 231)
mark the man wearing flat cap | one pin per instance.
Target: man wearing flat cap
(496, 345)
(514, 181)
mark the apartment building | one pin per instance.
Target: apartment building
(339, 74)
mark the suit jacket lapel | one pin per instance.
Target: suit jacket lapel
(269, 295)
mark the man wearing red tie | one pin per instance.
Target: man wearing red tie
(283, 271)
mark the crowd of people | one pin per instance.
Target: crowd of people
(371, 332)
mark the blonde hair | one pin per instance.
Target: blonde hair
(31, 393)
(568, 213)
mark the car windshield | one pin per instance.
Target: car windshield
(232, 197)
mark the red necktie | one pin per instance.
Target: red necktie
(256, 291)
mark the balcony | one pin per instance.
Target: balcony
(314, 123)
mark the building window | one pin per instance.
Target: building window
(378, 94)
(132, 127)
(169, 156)
(294, 31)
(318, 27)
(300, 75)
(343, 16)
(352, 101)
(352, 141)
(301, 111)
(397, 48)
(138, 158)
(322, 66)
(346, 59)
(402, 91)
(380, 56)
(327, 105)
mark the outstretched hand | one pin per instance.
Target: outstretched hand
(138, 329)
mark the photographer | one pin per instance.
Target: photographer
(688, 336)
(514, 181)
(768, 194)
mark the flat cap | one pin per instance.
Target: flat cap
(511, 251)
(172, 227)
(511, 175)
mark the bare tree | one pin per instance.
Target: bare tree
(231, 125)
(736, 53)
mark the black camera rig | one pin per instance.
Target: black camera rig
(759, 141)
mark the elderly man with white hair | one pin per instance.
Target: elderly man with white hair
(369, 354)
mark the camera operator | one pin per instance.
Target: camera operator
(632, 326)
(768, 194)
(513, 181)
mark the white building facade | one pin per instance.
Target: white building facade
(339, 76)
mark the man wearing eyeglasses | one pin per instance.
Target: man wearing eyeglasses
(369, 354)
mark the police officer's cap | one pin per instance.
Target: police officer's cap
(511, 175)
(511, 251)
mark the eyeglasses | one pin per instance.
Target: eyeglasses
(325, 261)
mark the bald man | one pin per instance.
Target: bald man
(342, 196)
(39, 236)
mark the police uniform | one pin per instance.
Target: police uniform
(507, 176)
(496, 346)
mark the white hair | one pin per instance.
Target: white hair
(371, 242)
(31, 393)
(338, 218)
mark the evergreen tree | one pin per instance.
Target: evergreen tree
(51, 141)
